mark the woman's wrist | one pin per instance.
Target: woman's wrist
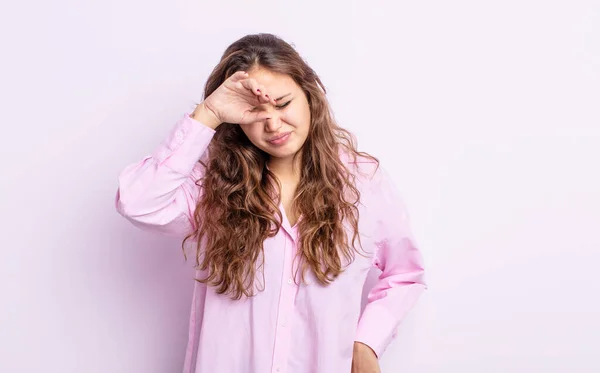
(205, 116)
(363, 347)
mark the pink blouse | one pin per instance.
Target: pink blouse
(289, 327)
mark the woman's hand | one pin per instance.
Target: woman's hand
(364, 359)
(235, 101)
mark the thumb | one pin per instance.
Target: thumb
(254, 116)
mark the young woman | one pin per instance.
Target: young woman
(286, 218)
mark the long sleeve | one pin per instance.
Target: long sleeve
(402, 279)
(159, 193)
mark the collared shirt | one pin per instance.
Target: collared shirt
(289, 326)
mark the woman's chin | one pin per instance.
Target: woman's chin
(282, 152)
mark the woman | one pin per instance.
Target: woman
(269, 189)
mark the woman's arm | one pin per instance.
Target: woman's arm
(159, 193)
(401, 281)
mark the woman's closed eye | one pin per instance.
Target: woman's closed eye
(284, 105)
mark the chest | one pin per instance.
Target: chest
(287, 199)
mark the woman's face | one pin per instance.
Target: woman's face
(290, 118)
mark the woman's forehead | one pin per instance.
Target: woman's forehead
(278, 84)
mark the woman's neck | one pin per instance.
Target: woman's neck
(285, 169)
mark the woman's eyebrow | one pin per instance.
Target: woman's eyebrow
(284, 96)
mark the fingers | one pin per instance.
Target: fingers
(238, 76)
(252, 85)
(264, 98)
(258, 90)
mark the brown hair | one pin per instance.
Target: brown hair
(238, 207)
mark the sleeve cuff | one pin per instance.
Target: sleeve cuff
(376, 328)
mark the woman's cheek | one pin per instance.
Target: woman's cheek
(290, 116)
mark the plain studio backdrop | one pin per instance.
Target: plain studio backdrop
(486, 113)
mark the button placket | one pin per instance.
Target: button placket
(286, 303)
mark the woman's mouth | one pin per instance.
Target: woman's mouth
(279, 139)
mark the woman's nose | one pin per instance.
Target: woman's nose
(273, 121)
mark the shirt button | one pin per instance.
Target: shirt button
(290, 281)
(277, 368)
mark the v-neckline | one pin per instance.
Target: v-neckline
(286, 222)
(292, 230)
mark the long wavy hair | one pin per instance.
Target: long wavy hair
(238, 204)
